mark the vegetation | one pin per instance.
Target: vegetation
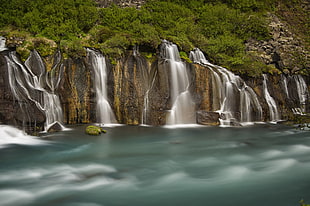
(302, 203)
(94, 130)
(218, 27)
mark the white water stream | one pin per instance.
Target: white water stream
(105, 114)
(183, 108)
(26, 86)
(273, 109)
(232, 95)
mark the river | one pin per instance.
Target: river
(133, 165)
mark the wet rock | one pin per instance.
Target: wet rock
(129, 87)
(55, 127)
(208, 118)
(75, 92)
(94, 130)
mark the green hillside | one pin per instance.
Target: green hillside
(219, 28)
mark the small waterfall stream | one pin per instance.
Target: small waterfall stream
(236, 101)
(183, 108)
(296, 90)
(27, 86)
(147, 101)
(2, 44)
(273, 109)
(105, 114)
(302, 91)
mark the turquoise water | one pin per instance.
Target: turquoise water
(133, 166)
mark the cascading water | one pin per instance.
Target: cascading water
(2, 44)
(296, 90)
(273, 109)
(104, 111)
(183, 108)
(302, 91)
(284, 84)
(146, 101)
(26, 86)
(231, 94)
(198, 57)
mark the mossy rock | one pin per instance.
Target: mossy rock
(94, 130)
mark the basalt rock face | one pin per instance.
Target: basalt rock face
(159, 93)
(129, 82)
(202, 88)
(76, 92)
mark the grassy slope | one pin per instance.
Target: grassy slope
(218, 27)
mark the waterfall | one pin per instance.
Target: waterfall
(183, 108)
(146, 100)
(302, 91)
(196, 56)
(273, 110)
(2, 44)
(104, 112)
(232, 98)
(296, 90)
(27, 86)
(284, 84)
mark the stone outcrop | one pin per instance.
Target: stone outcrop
(208, 118)
(122, 3)
(283, 50)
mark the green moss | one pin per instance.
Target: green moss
(94, 130)
(185, 57)
(44, 46)
(23, 52)
(147, 55)
(302, 203)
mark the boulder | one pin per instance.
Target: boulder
(94, 130)
(55, 127)
(208, 118)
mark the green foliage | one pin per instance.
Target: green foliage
(184, 56)
(94, 130)
(218, 27)
(72, 48)
(115, 46)
(43, 45)
(58, 19)
(131, 23)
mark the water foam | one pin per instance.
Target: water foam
(15, 197)
(11, 135)
(299, 149)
